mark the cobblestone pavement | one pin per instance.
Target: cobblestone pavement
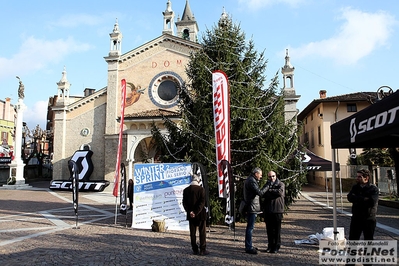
(37, 227)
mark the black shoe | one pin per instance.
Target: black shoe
(204, 252)
(273, 251)
(195, 252)
(251, 251)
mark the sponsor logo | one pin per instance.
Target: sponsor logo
(83, 186)
(372, 123)
(85, 168)
(5, 160)
(313, 167)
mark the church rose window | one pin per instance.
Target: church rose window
(164, 89)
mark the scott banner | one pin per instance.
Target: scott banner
(158, 194)
(221, 115)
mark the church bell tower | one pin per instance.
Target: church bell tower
(290, 96)
(187, 27)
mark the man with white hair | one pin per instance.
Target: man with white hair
(194, 205)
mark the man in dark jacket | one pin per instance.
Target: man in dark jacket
(194, 205)
(251, 198)
(364, 198)
(273, 209)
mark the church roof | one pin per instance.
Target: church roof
(187, 14)
(351, 97)
(156, 113)
(79, 101)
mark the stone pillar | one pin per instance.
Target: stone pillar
(17, 165)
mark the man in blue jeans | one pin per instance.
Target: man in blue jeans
(251, 198)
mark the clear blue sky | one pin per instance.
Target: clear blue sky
(341, 46)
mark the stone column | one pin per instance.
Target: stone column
(17, 165)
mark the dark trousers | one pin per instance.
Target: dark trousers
(359, 226)
(202, 234)
(273, 229)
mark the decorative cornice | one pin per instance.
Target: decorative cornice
(84, 100)
(155, 43)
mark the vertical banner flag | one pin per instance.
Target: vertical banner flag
(73, 169)
(221, 115)
(119, 154)
(123, 196)
(229, 187)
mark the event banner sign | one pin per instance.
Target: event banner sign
(158, 195)
(221, 115)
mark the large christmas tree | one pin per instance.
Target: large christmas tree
(260, 136)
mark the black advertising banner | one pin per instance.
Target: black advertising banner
(123, 196)
(376, 126)
(73, 168)
(84, 168)
(229, 188)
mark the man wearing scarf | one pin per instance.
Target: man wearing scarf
(273, 208)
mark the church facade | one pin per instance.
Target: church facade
(153, 72)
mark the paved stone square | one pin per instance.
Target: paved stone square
(37, 228)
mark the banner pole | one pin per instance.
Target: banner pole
(116, 208)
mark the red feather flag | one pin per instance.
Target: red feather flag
(221, 114)
(119, 154)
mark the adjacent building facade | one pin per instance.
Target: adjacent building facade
(316, 120)
(7, 121)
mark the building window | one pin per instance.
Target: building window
(4, 138)
(306, 140)
(312, 138)
(319, 135)
(351, 107)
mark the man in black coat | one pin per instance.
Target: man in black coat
(194, 205)
(364, 198)
(273, 209)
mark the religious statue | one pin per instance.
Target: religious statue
(21, 89)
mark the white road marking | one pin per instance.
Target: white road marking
(379, 225)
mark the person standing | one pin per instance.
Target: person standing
(252, 192)
(273, 209)
(364, 199)
(194, 205)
